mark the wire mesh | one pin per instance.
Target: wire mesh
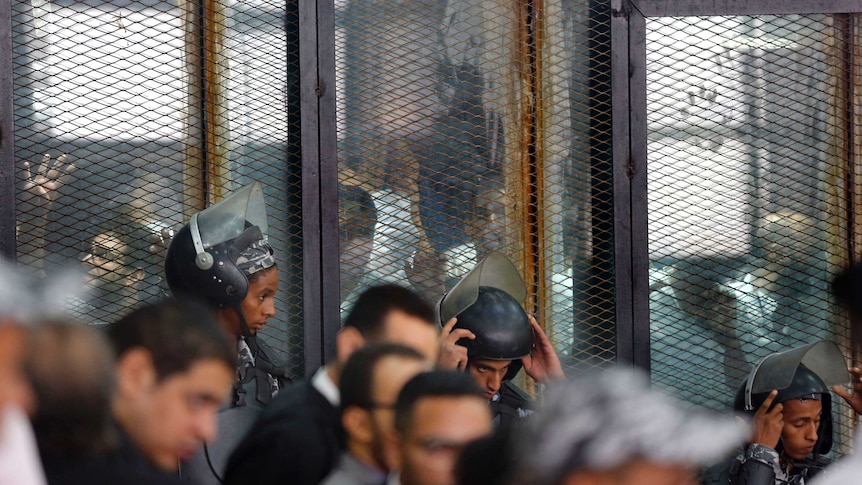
(747, 209)
(157, 109)
(469, 126)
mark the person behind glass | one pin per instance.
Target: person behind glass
(222, 257)
(299, 437)
(370, 383)
(174, 366)
(792, 423)
(437, 414)
(494, 337)
(357, 220)
(123, 266)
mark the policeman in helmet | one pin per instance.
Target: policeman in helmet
(222, 257)
(787, 397)
(496, 337)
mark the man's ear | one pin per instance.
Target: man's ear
(357, 424)
(347, 341)
(136, 373)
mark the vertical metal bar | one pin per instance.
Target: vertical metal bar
(638, 187)
(327, 124)
(7, 138)
(621, 182)
(312, 282)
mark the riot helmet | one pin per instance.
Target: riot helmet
(204, 258)
(805, 372)
(487, 302)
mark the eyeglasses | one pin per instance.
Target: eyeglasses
(105, 253)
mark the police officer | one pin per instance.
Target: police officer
(496, 337)
(222, 257)
(788, 399)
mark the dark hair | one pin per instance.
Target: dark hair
(256, 276)
(436, 383)
(357, 214)
(487, 460)
(177, 334)
(371, 308)
(71, 370)
(847, 289)
(357, 378)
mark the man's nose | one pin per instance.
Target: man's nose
(811, 435)
(269, 308)
(496, 381)
(207, 427)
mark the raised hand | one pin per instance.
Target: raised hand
(542, 364)
(768, 423)
(452, 355)
(854, 399)
(49, 178)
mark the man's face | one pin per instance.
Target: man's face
(439, 429)
(178, 414)
(489, 374)
(638, 472)
(801, 422)
(390, 375)
(413, 332)
(109, 266)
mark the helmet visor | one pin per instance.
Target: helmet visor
(776, 371)
(495, 271)
(228, 218)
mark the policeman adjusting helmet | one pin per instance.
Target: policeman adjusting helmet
(207, 258)
(805, 373)
(487, 302)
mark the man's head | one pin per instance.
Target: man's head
(256, 261)
(806, 411)
(437, 413)
(487, 302)
(357, 218)
(123, 261)
(613, 428)
(25, 300)
(222, 257)
(71, 371)
(503, 336)
(389, 313)
(370, 383)
(175, 366)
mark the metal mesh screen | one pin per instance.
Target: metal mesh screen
(158, 108)
(747, 204)
(469, 126)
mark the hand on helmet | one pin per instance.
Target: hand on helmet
(768, 423)
(452, 355)
(854, 399)
(542, 364)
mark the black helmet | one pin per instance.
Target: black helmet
(201, 260)
(487, 302)
(501, 327)
(805, 371)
